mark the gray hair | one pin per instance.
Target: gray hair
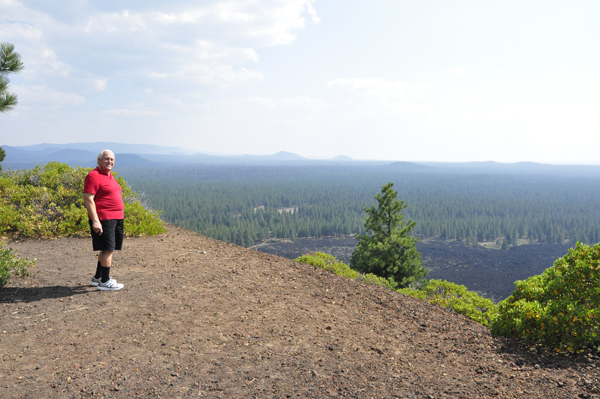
(102, 155)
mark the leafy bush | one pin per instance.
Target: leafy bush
(456, 297)
(373, 279)
(47, 201)
(332, 264)
(11, 266)
(559, 308)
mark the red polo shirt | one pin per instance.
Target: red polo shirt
(107, 194)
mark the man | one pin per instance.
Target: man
(104, 204)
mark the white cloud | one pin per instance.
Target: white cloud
(30, 42)
(298, 103)
(313, 13)
(46, 96)
(100, 84)
(208, 44)
(163, 101)
(132, 112)
(224, 32)
(375, 96)
(389, 91)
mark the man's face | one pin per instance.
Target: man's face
(107, 161)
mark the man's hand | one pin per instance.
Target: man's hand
(97, 226)
(90, 205)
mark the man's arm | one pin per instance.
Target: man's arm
(90, 205)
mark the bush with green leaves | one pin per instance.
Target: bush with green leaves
(458, 298)
(560, 308)
(11, 266)
(47, 201)
(332, 264)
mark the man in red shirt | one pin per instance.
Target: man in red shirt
(104, 203)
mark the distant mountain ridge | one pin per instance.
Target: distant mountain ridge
(133, 155)
(84, 154)
(115, 147)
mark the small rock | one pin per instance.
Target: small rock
(379, 351)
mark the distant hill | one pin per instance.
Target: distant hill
(131, 160)
(115, 147)
(17, 158)
(343, 158)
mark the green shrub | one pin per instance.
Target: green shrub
(47, 201)
(560, 308)
(373, 279)
(11, 266)
(332, 264)
(328, 262)
(456, 297)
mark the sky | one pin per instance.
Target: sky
(427, 80)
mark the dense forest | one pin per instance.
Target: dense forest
(248, 204)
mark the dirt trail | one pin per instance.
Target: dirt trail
(236, 323)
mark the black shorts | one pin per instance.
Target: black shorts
(111, 238)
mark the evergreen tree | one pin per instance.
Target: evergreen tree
(387, 249)
(10, 62)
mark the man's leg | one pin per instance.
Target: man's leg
(105, 259)
(98, 274)
(111, 242)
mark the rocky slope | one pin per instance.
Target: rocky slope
(236, 323)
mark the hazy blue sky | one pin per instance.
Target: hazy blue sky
(381, 79)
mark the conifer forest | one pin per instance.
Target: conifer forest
(248, 204)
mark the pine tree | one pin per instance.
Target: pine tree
(10, 62)
(387, 249)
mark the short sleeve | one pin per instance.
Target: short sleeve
(90, 185)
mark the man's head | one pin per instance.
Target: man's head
(106, 160)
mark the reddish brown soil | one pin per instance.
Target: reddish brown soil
(235, 323)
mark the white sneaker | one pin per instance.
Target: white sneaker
(110, 285)
(96, 281)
